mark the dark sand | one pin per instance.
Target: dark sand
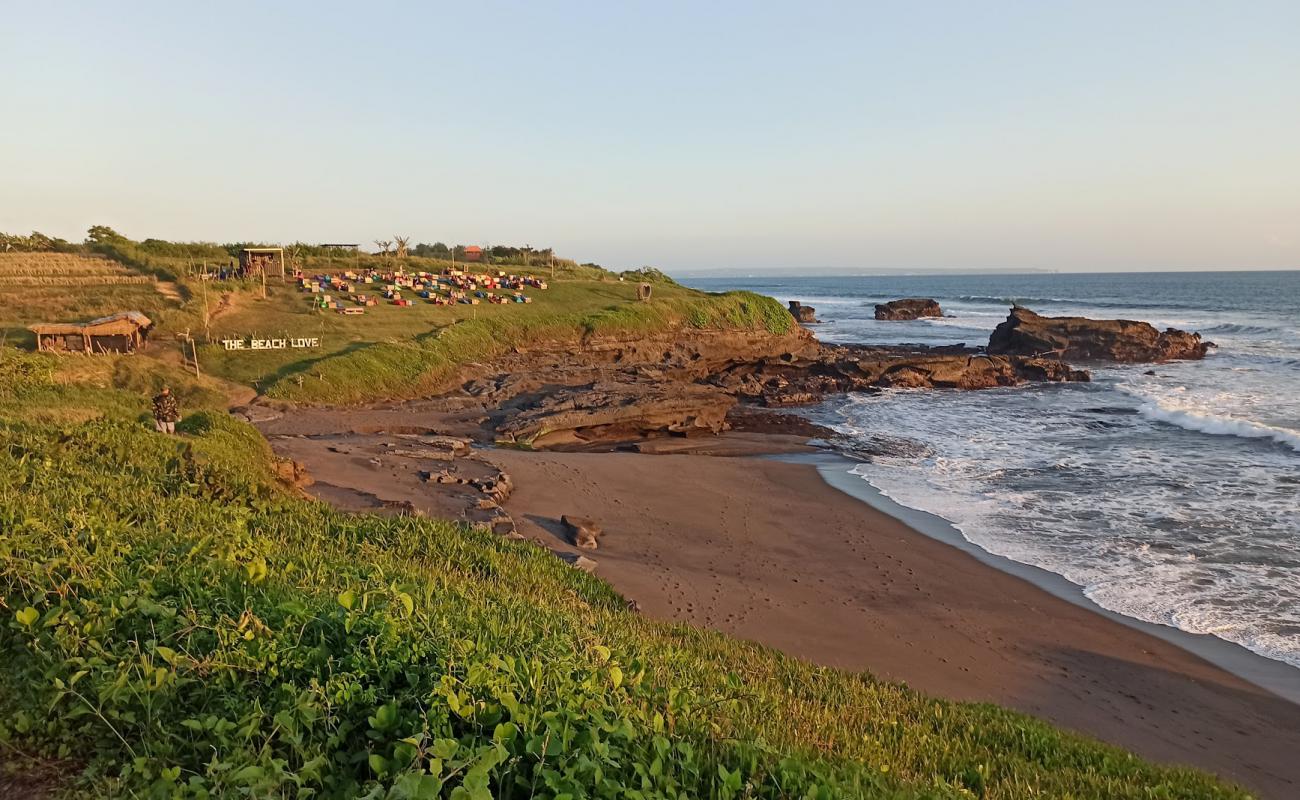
(767, 551)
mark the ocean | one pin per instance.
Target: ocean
(1172, 498)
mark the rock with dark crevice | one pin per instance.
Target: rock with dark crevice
(804, 314)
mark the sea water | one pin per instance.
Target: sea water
(1169, 493)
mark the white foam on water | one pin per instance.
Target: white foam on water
(1218, 425)
(1064, 480)
(1240, 411)
(1172, 498)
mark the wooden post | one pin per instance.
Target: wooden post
(207, 320)
(194, 349)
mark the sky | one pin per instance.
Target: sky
(797, 136)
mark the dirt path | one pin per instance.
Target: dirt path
(169, 290)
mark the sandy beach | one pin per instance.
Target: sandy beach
(767, 551)
(708, 531)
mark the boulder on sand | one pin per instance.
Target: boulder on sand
(613, 411)
(803, 313)
(583, 531)
(1079, 338)
(909, 308)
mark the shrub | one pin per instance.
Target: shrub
(21, 373)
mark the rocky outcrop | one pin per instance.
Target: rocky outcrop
(1079, 338)
(804, 314)
(635, 404)
(624, 391)
(292, 472)
(802, 380)
(431, 475)
(616, 410)
(909, 308)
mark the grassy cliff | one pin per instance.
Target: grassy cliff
(175, 623)
(399, 369)
(388, 352)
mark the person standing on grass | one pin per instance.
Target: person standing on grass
(166, 412)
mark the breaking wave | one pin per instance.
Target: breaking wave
(1218, 424)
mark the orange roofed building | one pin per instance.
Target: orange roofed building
(473, 253)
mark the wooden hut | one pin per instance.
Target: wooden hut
(261, 261)
(124, 332)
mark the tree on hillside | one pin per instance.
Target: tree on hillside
(37, 242)
(383, 246)
(437, 249)
(102, 234)
(402, 250)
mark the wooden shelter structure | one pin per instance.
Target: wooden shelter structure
(124, 332)
(261, 260)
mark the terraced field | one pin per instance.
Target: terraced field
(67, 287)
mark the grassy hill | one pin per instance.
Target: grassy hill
(178, 624)
(389, 352)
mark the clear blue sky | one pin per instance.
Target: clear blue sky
(983, 135)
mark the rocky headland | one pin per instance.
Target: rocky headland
(618, 392)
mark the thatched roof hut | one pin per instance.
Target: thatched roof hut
(124, 332)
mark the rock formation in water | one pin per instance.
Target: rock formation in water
(617, 390)
(631, 403)
(802, 313)
(909, 308)
(801, 379)
(1079, 338)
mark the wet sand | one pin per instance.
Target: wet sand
(768, 551)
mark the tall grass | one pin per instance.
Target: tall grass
(177, 625)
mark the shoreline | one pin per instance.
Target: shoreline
(767, 548)
(1277, 677)
(769, 539)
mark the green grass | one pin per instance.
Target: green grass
(394, 352)
(174, 624)
(389, 352)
